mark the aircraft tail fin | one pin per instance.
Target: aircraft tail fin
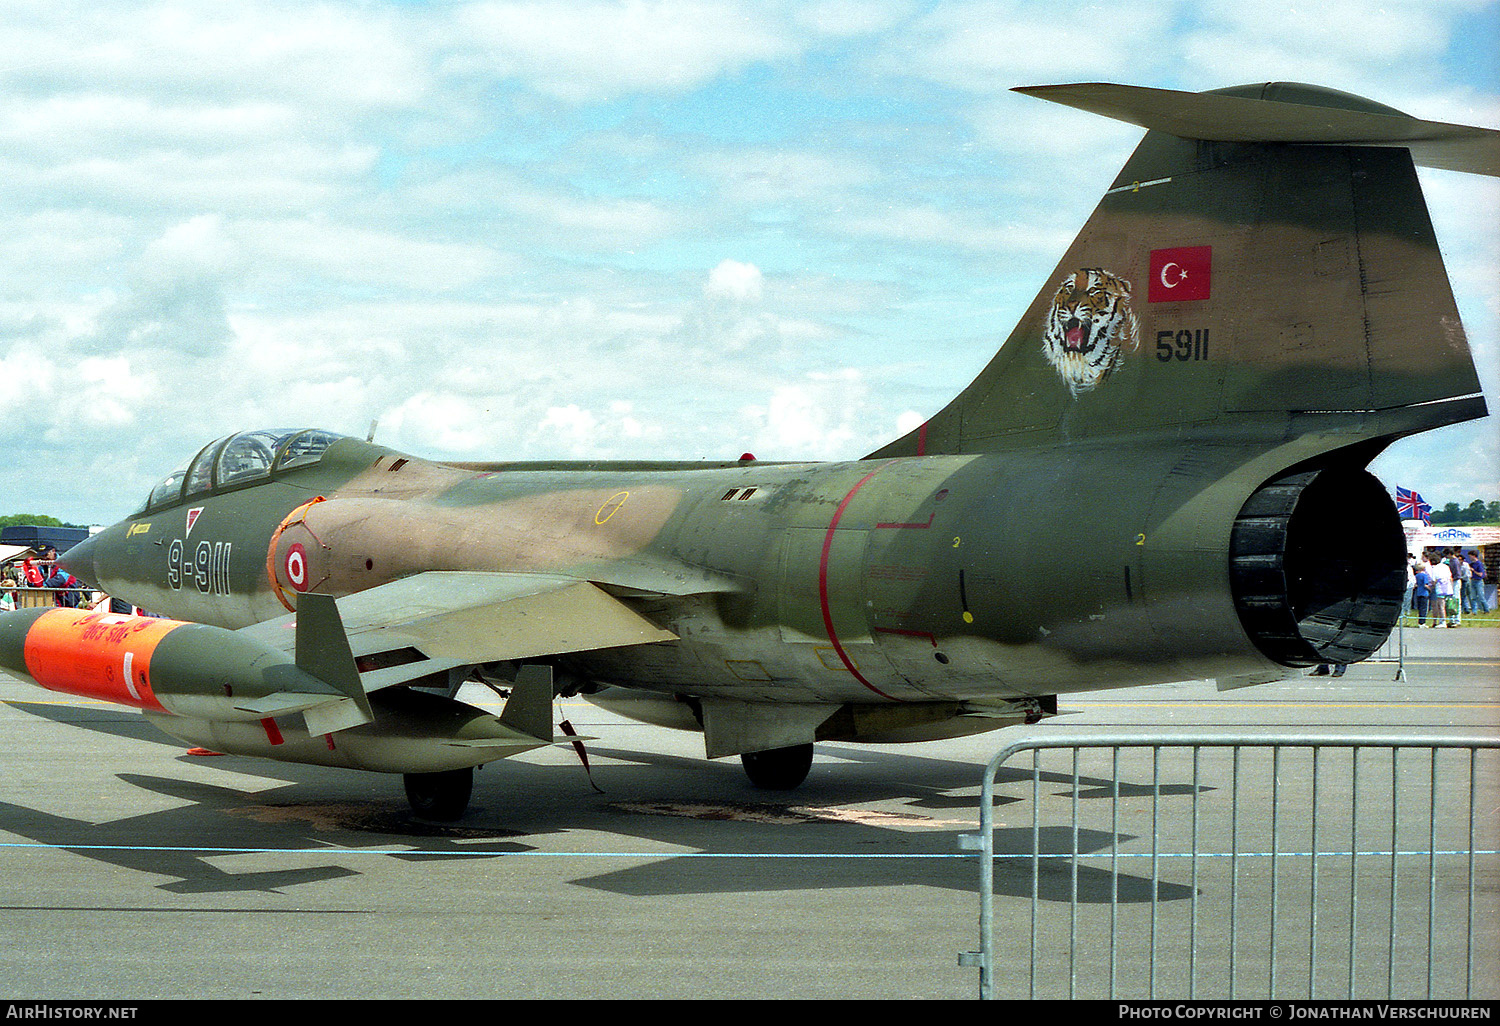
(1264, 261)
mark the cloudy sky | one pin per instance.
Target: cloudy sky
(658, 228)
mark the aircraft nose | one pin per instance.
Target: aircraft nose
(79, 561)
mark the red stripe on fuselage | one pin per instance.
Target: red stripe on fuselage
(823, 587)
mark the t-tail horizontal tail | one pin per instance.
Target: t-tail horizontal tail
(1264, 265)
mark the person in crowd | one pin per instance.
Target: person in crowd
(1460, 569)
(1442, 592)
(1411, 583)
(1456, 566)
(46, 566)
(67, 587)
(1478, 601)
(1422, 589)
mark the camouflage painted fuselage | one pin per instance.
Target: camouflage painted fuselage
(902, 580)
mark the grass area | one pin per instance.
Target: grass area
(1490, 619)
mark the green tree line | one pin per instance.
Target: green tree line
(38, 519)
(1476, 512)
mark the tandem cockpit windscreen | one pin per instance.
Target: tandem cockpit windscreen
(239, 460)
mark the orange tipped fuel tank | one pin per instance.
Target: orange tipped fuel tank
(150, 664)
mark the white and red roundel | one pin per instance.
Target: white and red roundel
(296, 567)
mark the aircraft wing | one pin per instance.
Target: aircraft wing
(439, 620)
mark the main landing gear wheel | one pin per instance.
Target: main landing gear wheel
(440, 796)
(778, 769)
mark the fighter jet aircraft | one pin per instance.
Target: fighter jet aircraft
(1159, 477)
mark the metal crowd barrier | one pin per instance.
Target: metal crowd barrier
(1394, 649)
(1354, 873)
(34, 598)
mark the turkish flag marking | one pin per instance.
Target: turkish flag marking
(1181, 274)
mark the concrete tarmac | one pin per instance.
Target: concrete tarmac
(130, 870)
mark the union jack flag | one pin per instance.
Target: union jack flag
(1411, 506)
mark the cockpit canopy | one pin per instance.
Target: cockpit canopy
(238, 460)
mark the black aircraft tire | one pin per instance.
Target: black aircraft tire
(439, 796)
(778, 769)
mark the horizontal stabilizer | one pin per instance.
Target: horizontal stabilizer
(333, 717)
(1285, 113)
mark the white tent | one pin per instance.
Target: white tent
(1421, 536)
(11, 553)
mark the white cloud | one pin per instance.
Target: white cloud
(339, 57)
(436, 422)
(114, 124)
(987, 46)
(589, 50)
(39, 249)
(763, 176)
(908, 422)
(289, 176)
(928, 225)
(734, 281)
(195, 248)
(1347, 44)
(815, 418)
(106, 391)
(369, 256)
(851, 17)
(573, 425)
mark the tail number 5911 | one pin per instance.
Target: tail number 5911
(1182, 345)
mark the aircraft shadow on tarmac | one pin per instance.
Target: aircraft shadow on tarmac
(833, 849)
(660, 798)
(169, 842)
(115, 723)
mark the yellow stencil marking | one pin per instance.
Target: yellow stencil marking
(612, 507)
